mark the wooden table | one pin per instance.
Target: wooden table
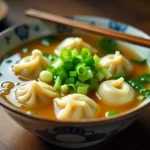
(134, 12)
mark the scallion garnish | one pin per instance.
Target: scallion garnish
(75, 71)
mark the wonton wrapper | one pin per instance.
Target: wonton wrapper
(73, 43)
(116, 63)
(116, 92)
(31, 66)
(75, 107)
(34, 94)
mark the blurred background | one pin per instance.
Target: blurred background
(134, 12)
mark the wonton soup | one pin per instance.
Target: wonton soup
(74, 77)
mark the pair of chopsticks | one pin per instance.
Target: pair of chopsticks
(88, 27)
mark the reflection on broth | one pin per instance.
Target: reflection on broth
(78, 78)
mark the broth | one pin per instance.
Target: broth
(9, 81)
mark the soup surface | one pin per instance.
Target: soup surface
(11, 81)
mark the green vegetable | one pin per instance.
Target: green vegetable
(94, 84)
(117, 76)
(140, 98)
(62, 72)
(49, 56)
(66, 55)
(85, 52)
(111, 113)
(108, 46)
(72, 73)
(58, 82)
(88, 75)
(70, 80)
(73, 88)
(145, 78)
(106, 73)
(99, 76)
(139, 61)
(74, 52)
(82, 90)
(64, 89)
(136, 83)
(30, 112)
(47, 41)
(46, 76)
(81, 69)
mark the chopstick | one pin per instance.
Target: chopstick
(109, 33)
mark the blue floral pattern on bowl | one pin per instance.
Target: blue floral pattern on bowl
(63, 29)
(65, 134)
(117, 26)
(22, 32)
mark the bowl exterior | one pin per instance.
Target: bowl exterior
(74, 135)
(70, 135)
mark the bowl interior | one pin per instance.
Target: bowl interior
(21, 34)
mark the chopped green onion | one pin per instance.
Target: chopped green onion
(70, 80)
(88, 60)
(140, 98)
(96, 62)
(72, 73)
(52, 70)
(57, 63)
(138, 61)
(145, 92)
(117, 76)
(58, 82)
(81, 69)
(86, 77)
(72, 88)
(94, 83)
(85, 52)
(49, 56)
(107, 45)
(135, 83)
(68, 66)
(106, 73)
(76, 60)
(61, 72)
(82, 84)
(46, 76)
(66, 55)
(64, 89)
(48, 40)
(74, 52)
(145, 78)
(111, 113)
(82, 90)
(99, 76)
(30, 112)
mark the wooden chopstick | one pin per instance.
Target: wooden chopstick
(88, 27)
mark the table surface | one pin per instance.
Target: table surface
(136, 13)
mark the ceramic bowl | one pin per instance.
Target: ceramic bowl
(65, 133)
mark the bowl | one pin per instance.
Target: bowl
(68, 133)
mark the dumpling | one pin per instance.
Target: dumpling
(116, 92)
(34, 94)
(116, 63)
(73, 43)
(31, 66)
(75, 107)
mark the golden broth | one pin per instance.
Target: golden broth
(9, 81)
